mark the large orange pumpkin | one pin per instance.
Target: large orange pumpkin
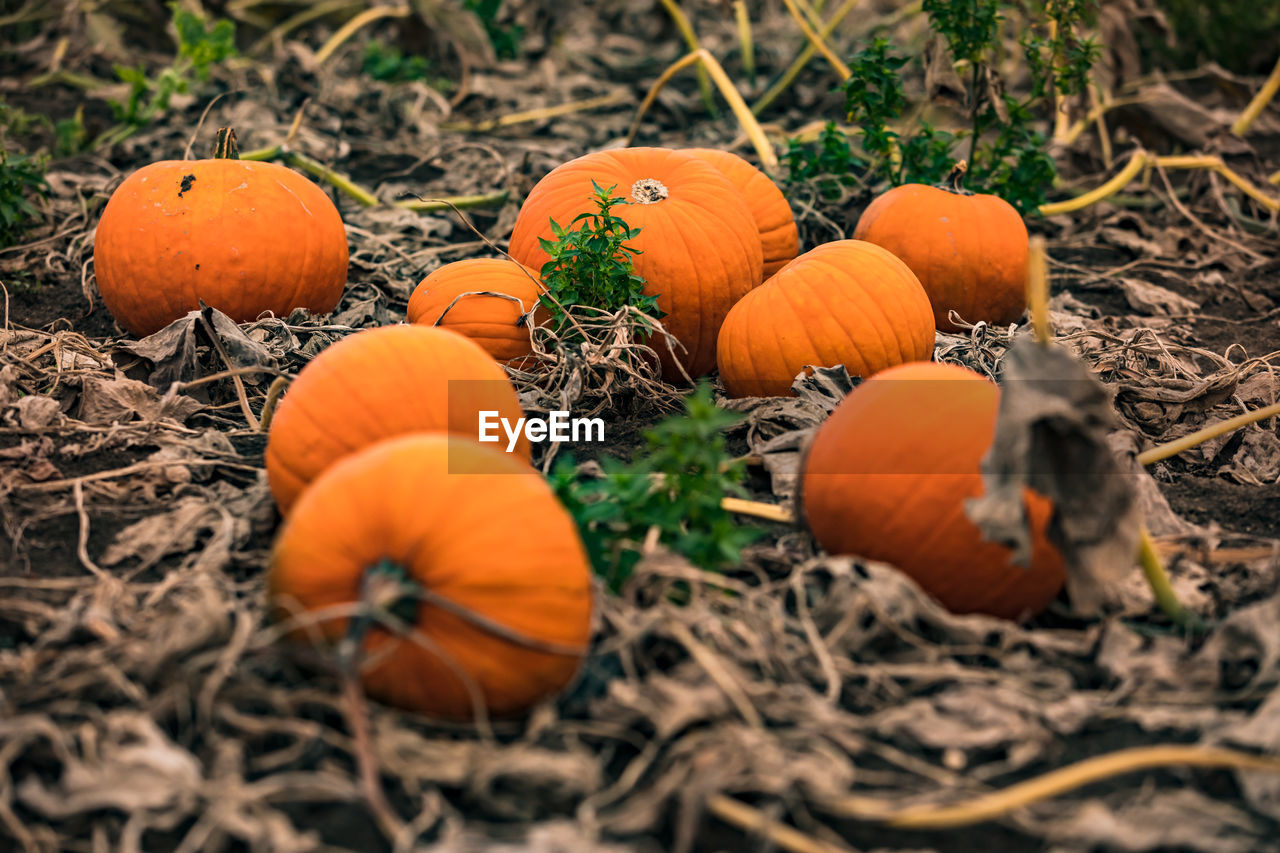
(845, 302)
(886, 478)
(969, 251)
(245, 237)
(380, 383)
(779, 238)
(456, 297)
(512, 613)
(700, 249)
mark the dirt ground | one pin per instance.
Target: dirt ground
(145, 703)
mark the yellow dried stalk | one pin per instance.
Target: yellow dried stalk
(798, 64)
(351, 27)
(1259, 103)
(691, 40)
(746, 40)
(1090, 770)
(1038, 290)
(1141, 160)
(741, 112)
(817, 41)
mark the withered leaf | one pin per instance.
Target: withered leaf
(1051, 436)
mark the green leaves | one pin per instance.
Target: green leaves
(21, 176)
(505, 40)
(676, 487)
(1006, 152)
(591, 265)
(200, 48)
(390, 65)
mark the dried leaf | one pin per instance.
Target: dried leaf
(1051, 437)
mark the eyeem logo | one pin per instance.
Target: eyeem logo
(557, 426)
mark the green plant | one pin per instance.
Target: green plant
(200, 48)
(827, 164)
(675, 487)
(505, 40)
(591, 265)
(21, 178)
(390, 65)
(1006, 153)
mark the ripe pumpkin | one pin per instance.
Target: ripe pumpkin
(846, 302)
(434, 509)
(244, 237)
(376, 384)
(779, 237)
(969, 251)
(700, 249)
(886, 477)
(494, 322)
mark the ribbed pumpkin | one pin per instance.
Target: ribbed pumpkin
(846, 302)
(377, 384)
(458, 292)
(969, 251)
(244, 237)
(779, 237)
(886, 477)
(700, 246)
(511, 612)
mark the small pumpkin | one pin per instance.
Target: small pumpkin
(380, 383)
(699, 246)
(486, 299)
(847, 302)
(779, 237)
(244, 237)
(886, 477)
(969, 251)
(509, 614)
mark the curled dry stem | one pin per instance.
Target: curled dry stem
(1259, 103)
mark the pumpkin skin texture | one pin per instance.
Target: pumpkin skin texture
(700, 249)
(377, 384)
(845, 302)
(490, 321)
(779, 237)
(886, 477)
(245, 237)
(969, 251)
(434, 505)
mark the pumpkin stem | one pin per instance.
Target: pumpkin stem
(225, 147)
(648, 191)
(957, 175)
(385, 590)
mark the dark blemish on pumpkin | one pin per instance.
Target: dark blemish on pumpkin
(197, 266)
(187, 181)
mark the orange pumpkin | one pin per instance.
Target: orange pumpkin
(509, 614)
(457, 297)
(700, 250)
(779, 238)
(845, 302)
(244, 237)
(886, 478)
(380, 383)
(969, 251)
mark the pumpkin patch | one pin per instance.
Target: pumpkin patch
(969, 251)
(699, 246)
(502, 622)
(813, 426)
(378, 384)
(246, 238)
(846, 302)
(489, 300)
(886, 478)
